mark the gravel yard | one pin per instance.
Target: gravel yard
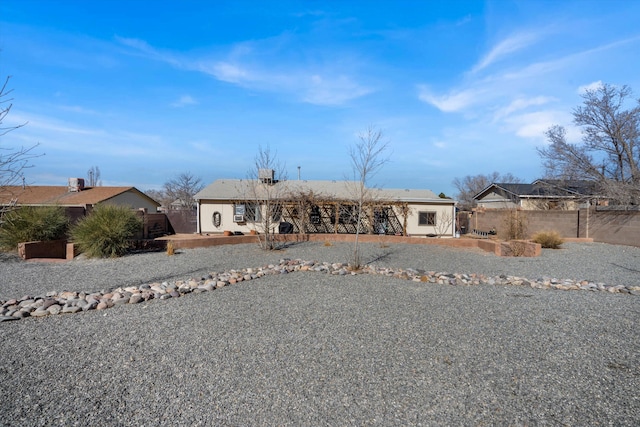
(317, 349)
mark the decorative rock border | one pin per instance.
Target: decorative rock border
(73, 302)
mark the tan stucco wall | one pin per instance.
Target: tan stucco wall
(494, 200)
(133, 200)
(443, 212)
(226, 215)
(496, 204)
(207, 209)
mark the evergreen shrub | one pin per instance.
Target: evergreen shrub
(32, 223)
(108, 231)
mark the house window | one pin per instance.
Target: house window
(426, 218)
(247, 212)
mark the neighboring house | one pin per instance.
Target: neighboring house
(180, 204)
(539, 195)
(77, 198)
(321, 207)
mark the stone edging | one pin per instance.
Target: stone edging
(74, 302)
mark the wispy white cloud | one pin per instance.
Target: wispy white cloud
(520, 104)
(464, 20)
(455, 100)
(224, 71)
(245, 65)
(64, 136)
(505, 47)
(440, 144)
(540, 68)
(589, 87)
(204, 147)
(312, 13)
(184, 101)
(145, 49)
(498, 86)
(533, 125)
(41, 123)
(335, 90)
(77, 109)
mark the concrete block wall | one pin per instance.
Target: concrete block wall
(606, 226)
(616, 227)
(564, 222)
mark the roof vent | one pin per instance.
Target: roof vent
(266, 176)
(76, 185)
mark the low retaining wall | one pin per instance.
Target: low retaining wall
(523, 248)
(50, 249)
(60, 249)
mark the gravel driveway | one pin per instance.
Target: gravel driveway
(317, 349)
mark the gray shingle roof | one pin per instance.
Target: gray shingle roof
(544, 188)
(241, 189)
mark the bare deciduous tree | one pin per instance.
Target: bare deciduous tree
(444, 221)
(609, 153)
(13, 161)
(471, 185)
(179, 191)
(159, 196)
(367, 158)
(93, 175)
(266, 194)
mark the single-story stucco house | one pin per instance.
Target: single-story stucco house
(302, 206)
(75, 197)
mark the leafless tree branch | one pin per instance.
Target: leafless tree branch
(609, 153)
(13, 161)
(367, 158)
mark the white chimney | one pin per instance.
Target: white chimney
(76, 185)
(266, 176)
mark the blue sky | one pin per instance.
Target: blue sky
(146, 90)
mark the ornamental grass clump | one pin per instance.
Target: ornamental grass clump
(107, 231)
(32, 223)
(548, 239)
(170, 248)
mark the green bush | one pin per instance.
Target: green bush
(32, 223)
(548, 239)
(106, 232)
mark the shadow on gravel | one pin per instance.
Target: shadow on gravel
(9, 257)
(380, 257)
